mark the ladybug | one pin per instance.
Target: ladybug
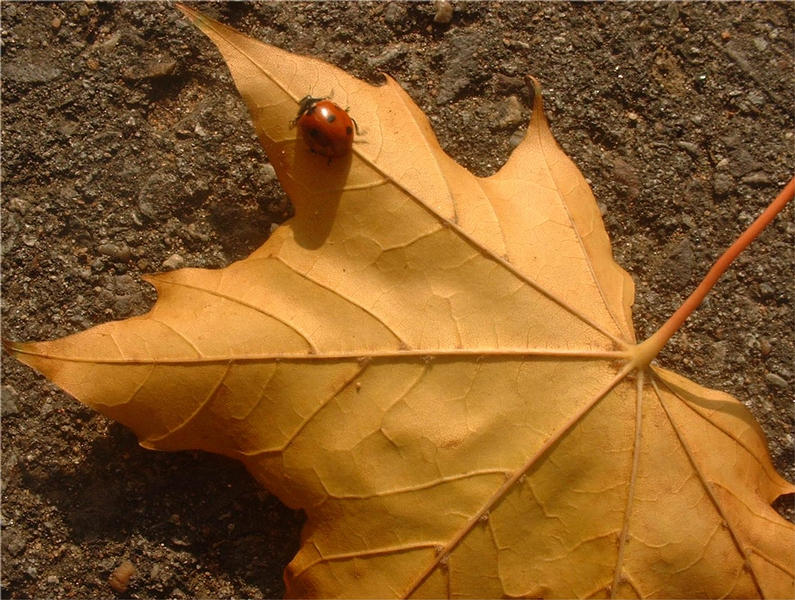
(326, 128)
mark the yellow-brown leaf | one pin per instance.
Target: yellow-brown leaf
(438, 368)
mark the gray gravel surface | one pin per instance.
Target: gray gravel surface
(126, 150)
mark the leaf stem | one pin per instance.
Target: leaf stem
(647, 350)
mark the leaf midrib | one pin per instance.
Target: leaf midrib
(378, 355)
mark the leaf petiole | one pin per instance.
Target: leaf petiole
(647, 350)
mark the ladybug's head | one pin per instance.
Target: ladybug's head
(306, 105)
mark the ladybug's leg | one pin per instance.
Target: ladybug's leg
(355, 124)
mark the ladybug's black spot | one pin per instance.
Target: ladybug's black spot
(349, 130)
(314, 133)
(331, 118)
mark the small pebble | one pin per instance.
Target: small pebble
(8, 401)
(515, 44)
(119, 252)
(268, 172)
(192, 232)
(180, 542)
(776, 380)
(52, 579)
(56, 23)
(119, 580)
(722, 183)
(444, 11)
(757, 178)
(14, 543)
(155, 69)
(175, 261)
(756, 97)
(387, 56)
(767, 291)
(627, 176)
(147, 208)
(18, 205)
(509, 113)
(689, 147)
(505, 85)
(395, 13)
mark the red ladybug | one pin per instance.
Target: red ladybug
(326, 128)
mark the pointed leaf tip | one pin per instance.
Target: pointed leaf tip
(9, 346)
(535, 87)
(194, 16)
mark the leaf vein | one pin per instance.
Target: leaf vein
(708, 488)
(509, 484)
(239, 302)
(342, 297)
(205, 401)
(580, 242)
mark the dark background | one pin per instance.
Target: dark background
(124, 144)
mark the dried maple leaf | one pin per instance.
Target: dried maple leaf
(441, 370)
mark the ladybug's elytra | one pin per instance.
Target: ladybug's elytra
(326, 128)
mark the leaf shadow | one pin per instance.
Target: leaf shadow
(194, 502)
(314, 214)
